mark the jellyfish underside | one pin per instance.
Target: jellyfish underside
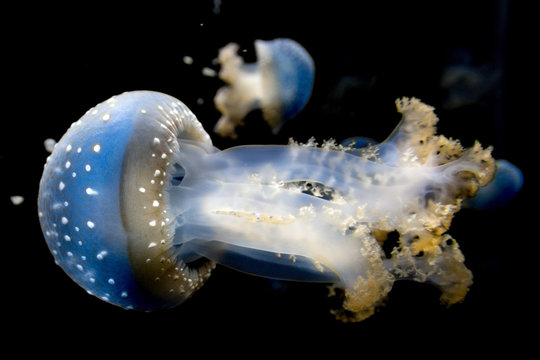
(308, 213)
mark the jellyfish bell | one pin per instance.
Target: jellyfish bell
(137, 206)
(279, 84)
(102, 206)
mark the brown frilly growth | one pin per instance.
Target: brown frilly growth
(424, 252)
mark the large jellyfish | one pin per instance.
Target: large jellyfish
(279, 84)
(137, 206)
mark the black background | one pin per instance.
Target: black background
(59, 62)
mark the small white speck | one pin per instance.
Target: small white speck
(79, 150)
(106, 117)
(87, 167)
(152, 223)
(79, 266)
(143, 111)
(74, 174)
(68, 164)
(92, 280)
(124, 294)
(77, 229)
(68, 148)
(111, 281)
(17, 200)
(101, 255)
(94, 112)
(49, 145)
(96, 148)
(155, 203)
(90, 191)
(157, 173)
(151, 245)
(163, 156)
(188, 60)
(69, 253)
(141, 189)
(64, 220)
(90, 224)
(67, 238)
(157, 141)
(66, 204)
(206, 71)
(61, 186)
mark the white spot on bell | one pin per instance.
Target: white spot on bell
(91, 191)
(96, 148)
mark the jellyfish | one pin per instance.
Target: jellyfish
(279, 84)
(137, 206)
(506, 184)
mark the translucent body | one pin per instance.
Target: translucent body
(279, 84)
(166, 197)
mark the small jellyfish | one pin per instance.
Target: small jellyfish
(466, 84)
(505, 185)
(137, 206)
(279, 84)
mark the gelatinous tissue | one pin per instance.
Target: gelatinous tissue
(137, 206)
